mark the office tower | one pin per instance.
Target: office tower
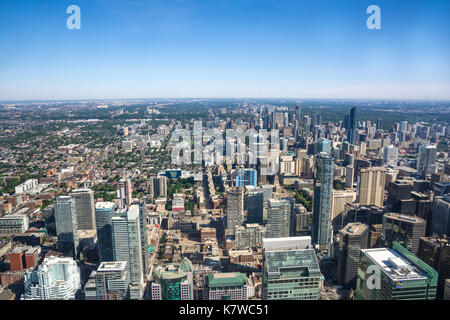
(371, 187)
(398, 191)
(379, 124)
(290, 269)
(323, 196)
(158, 186)
(390, 155)
(124, 193)
(280, 218)
(352, 238)
(440, 222)
(144, 236)
(255, 207)
(104, 212)
(323, 145)
(436, 253)
(405, 230)
(246, 177)
(112, 281)
(173, 282)
(84, 208)
(426, 160)
(127, 246)
(235, 207)
(403, 276)
(55, 279)
(340, 199)
(225, 286)
(375, 233)
(298, 113)
(66, 224)
(403, 126)
(351, 133)
(349, 176)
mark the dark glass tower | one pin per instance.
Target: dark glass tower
(351, 133)
(323, 195)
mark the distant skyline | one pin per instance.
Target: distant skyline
(299, 49)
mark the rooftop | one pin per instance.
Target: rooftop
(395, 265)
(227, 279)
(112, 266)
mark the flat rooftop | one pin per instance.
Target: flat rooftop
(395, 265)
(112, 266)
(287, 243)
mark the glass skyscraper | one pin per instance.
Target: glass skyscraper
(104, 212)
(323, 196)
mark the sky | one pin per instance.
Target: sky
(224, 49)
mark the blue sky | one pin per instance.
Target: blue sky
(224, 48)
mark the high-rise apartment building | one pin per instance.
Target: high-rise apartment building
(55, 279)
(158, 186)
(371, 186)
(85, 208)
(66, 224)
(323, 197)
(235, 207)
(280, 218)
(124, 193)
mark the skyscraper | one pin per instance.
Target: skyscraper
(352, 238)
(104, 212)
(298, 113)
(440, 222)
(351, 133)
(323, 145)
(406, 230)
(124, 193)
(390, 155)
(371, 187)
(280, 218)
(436, 253)
(127, 245)
(235, 207)
(66, 224)
(84, 208)
(426, 160)
(323, 196)
(255, 207)
(158, 186)
(246, 177)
